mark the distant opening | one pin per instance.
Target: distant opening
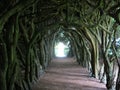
(61, 50)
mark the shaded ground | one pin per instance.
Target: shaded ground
(66, 74)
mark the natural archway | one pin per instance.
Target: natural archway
(28, 31)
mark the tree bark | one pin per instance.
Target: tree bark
(22, 5)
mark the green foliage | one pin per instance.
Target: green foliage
(30, 28)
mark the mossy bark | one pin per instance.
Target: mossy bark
(118, 78)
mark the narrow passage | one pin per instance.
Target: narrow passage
(66, 74)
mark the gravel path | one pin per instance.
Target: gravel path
(66, 74)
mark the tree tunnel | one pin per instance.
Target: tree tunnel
(30, 29)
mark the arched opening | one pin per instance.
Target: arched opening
(61, 49)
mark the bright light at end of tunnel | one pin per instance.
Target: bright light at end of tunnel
(59, 50)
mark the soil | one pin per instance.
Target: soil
(66, 74)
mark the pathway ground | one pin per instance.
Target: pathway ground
(66, 74)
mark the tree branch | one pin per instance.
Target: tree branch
(22, 5)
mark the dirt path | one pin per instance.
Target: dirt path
(66, 74)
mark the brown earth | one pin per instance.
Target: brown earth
(66, 74)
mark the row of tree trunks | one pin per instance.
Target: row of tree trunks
(20, 47)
